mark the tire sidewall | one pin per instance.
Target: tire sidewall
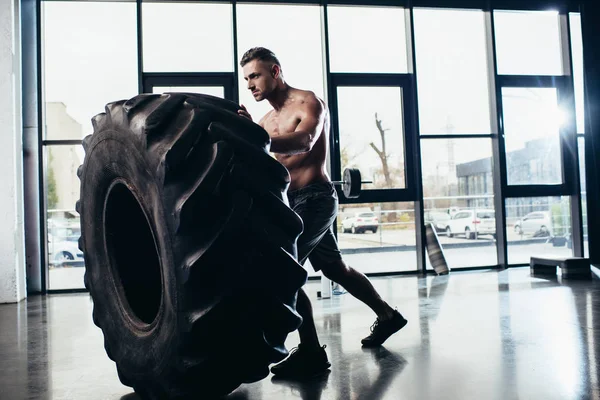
(138, 348)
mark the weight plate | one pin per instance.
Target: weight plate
(352, 183)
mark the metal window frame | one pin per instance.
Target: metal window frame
(570, 185)
(533, 5)
(493, 136)
(405, 83)
(414, 190)
(559, 83)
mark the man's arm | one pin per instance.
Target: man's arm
(303, 138)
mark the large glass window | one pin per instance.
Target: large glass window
(538, 226)
(99, 64)
(293, 33)
(360, 38)
(459, 199)
(532, 121)
(82, 73)
(65, 260)
(86, 70)
(528, 43)
(385, 231)
(372, 134)
(192, 37)
(452, 71)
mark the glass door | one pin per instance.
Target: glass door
(373, 132)
(539, 159)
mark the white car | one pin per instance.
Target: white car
(472, 223)
(537, 223)
(438, 219)
(360, 222)
(64, 249)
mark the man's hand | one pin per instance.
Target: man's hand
(244, 112)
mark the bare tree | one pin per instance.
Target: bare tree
(382, 153)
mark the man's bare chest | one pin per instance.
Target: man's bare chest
(278, 123)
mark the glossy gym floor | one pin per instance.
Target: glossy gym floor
(471, 335)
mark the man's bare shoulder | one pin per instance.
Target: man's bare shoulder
(307, 97)
(308, 101)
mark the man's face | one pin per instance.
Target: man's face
(259, 76)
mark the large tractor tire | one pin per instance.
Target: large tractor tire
(189, 245)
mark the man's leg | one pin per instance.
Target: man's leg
(308, 330)
(309, 359)
(326, 256)
(359, 286)
(316, 206)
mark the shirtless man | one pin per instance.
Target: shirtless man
(299, 128)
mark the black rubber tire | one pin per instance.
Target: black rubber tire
(449, 232)
(64, 256)
(189, 245)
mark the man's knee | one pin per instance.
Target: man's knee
(335, 270)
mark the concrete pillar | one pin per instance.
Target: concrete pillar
(31, 154)
(12, 238)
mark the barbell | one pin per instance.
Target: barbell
(352, 183)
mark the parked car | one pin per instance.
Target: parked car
(453, 210)
(538, 223)
(361, 222)
(472, 223)
(64, 249)
(438, 219)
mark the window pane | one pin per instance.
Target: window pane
(581, 143)
(372, 134)
(293, 33)
(360, 38)
(65, 260)
(452, 71)
(459, 199)
(577, 61)
(217, 91)
(546, 236)
(387, 235)
(192, 37)
(532, 120)
(86, 70)
(528, 43)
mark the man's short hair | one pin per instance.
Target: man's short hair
(259, 53)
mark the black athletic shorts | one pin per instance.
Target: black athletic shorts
(317, 205)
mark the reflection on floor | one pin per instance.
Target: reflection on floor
(478, 335)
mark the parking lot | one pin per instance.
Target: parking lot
(392, 250)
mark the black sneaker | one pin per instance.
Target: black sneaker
(382, 330)
(302, 363)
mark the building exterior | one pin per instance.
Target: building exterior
(534, 163)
